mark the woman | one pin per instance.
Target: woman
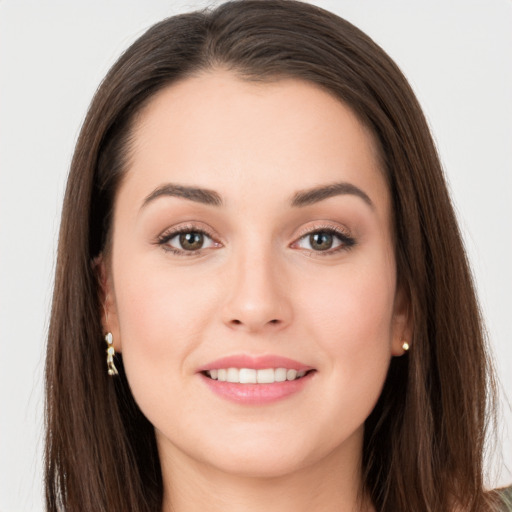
(257, 230)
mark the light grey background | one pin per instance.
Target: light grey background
(53, 54)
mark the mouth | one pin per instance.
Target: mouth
(255, 376)
(256, 380)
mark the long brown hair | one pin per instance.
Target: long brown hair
(424, 440)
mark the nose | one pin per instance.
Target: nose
(257, 299)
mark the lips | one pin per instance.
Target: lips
(255, 379)
(256, 363)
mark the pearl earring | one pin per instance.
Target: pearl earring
(405, 346)
(112, 370)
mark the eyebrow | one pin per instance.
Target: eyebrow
(314, 195)
(197, 194)
(300, 199)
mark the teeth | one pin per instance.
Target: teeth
(291, 374)
(233, 375)
(280, 374)
(266, 376)
(252, 376)
(248, 376)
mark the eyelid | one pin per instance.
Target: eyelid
(168, 234)
(342, 233)
(323, 225)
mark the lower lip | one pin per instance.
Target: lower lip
(256, 394)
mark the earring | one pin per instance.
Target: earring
(405, 346)
(112, 370)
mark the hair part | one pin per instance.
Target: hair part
(424, 440)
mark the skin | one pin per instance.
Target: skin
(257, 287)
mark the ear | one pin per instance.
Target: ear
(109, 317)
(402, 322)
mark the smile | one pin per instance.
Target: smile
(256, 380)
(253, 376)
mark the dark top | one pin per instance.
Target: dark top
(506, 497)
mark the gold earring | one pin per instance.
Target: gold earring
(405, 346)
(112, 370)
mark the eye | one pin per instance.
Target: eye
(327, 240)
(186, 241)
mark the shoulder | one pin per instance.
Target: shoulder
(506, 498)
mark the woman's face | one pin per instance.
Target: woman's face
(253, 231)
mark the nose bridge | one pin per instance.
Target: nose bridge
(256, 298)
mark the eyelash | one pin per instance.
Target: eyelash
(346, 241)
(167, 236)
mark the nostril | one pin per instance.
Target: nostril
(254, 324)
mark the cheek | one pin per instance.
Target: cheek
(353, 307)
(162, 318)
(157, 303)
(351, 318)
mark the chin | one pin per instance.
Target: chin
(267, 455)
(260, 465)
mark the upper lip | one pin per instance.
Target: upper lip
(255, 362)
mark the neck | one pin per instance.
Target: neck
(325, 485)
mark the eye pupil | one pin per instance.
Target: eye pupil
(321, 240)
(192, 240)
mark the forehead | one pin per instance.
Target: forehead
(246, 138)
